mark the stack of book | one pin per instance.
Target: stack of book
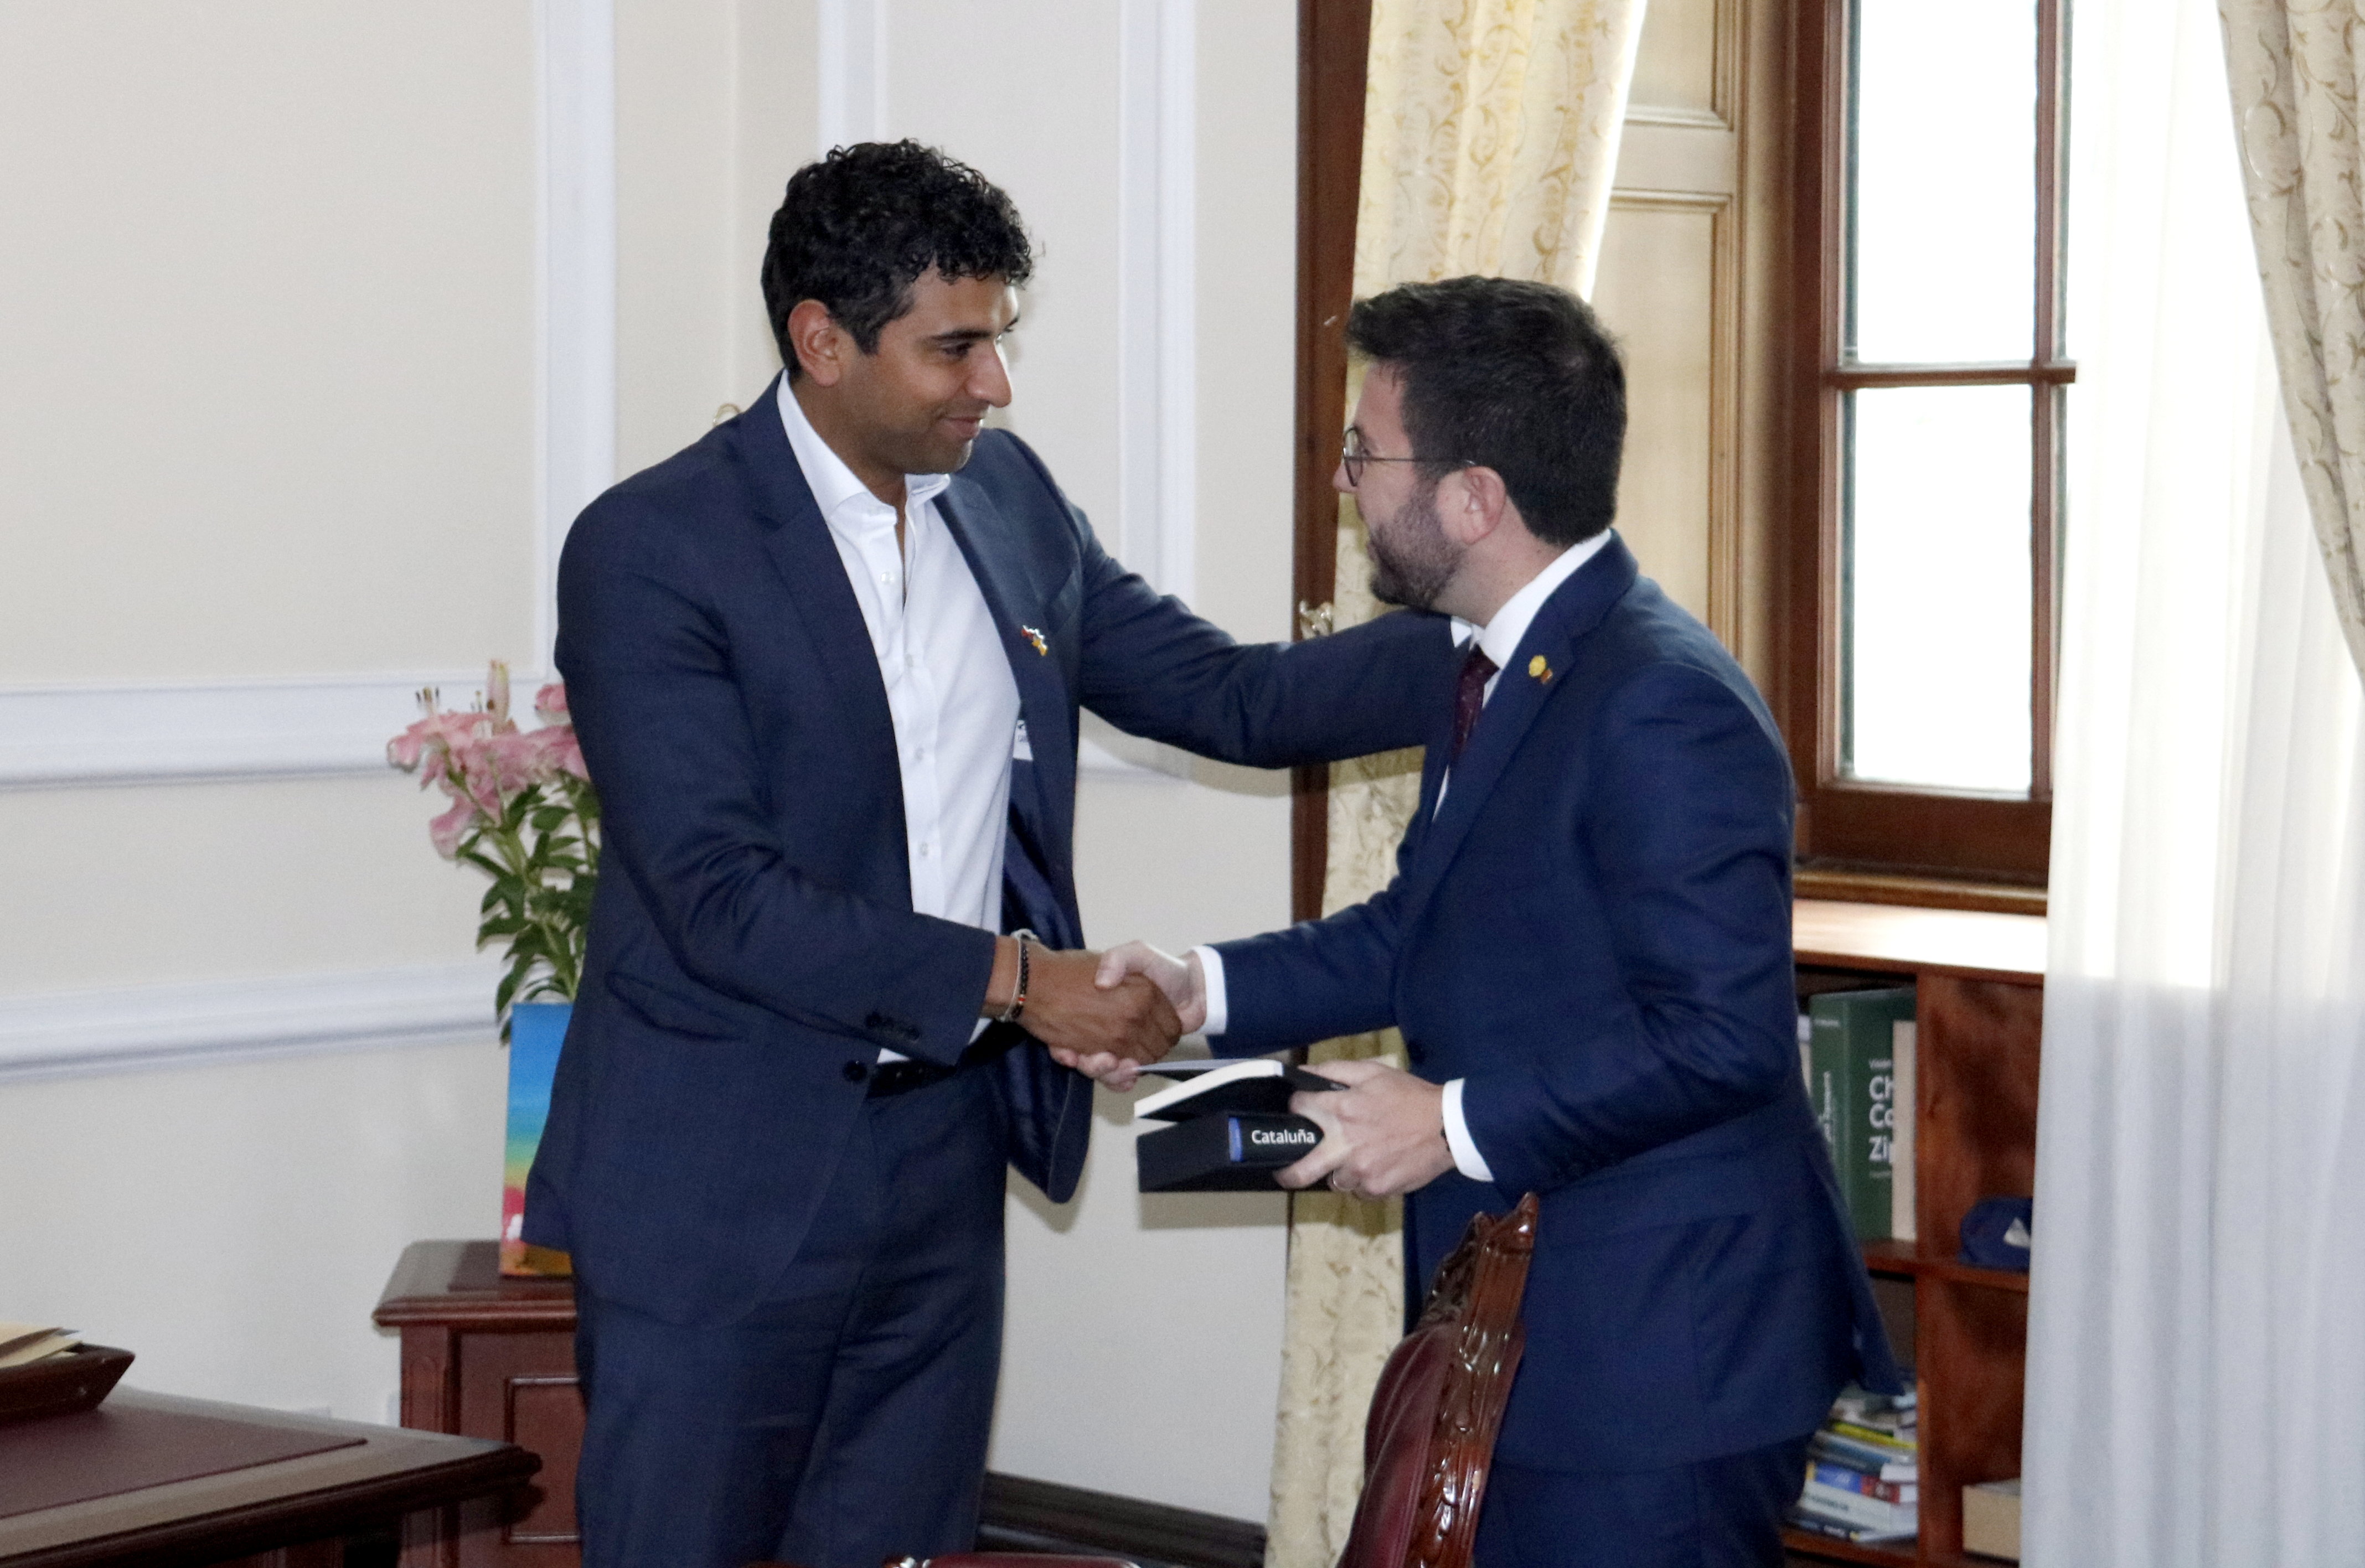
(1864, 1471)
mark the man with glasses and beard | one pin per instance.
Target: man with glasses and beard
(1587, 948)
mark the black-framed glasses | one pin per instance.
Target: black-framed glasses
(1352, 457)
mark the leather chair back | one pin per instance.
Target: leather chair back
(1430, 1435)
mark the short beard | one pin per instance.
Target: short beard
(1412, 567)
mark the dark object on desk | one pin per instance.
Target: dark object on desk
(302, 1507)
(99, 1454)
(1997, 1232)
(1223, 1153)
(62, 1385)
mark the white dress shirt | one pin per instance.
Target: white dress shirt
(949, 689)
(1500, 637)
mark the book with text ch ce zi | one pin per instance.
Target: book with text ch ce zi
(1232, 1126)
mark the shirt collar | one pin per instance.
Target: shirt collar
(836, 491)
(1501, 636)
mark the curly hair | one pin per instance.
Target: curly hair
(857, 228)
(1511, 376)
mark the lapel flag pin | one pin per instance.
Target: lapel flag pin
(1538, 668)
(1035, 637)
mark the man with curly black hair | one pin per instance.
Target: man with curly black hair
(827, 667)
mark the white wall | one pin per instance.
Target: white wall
(275, 406)
(268, 411)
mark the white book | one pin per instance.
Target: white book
(1865, 1513)
(1257, 1084)
(22, 1344)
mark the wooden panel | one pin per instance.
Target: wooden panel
(1675, 63)
(1981, 943)
(310, 1555)
(1973, 1347)
(1333, 38)
(545, 1417)
(1977, 1060)
(521, 1389)
(1657, 292)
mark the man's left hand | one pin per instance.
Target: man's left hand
(1382, 1135)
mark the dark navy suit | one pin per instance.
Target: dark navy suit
(1594, 932)
(712, 1160)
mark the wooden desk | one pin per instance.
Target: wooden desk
(490, 1358)
(291, 1513)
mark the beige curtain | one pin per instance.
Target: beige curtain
(2293, 66)
(1490, 138)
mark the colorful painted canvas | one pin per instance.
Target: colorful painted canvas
(536, 1031)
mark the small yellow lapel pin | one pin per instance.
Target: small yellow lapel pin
(1036, 638)
(1538, 668)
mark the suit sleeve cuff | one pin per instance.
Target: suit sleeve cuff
(1220, 1000)
(1467, 1158)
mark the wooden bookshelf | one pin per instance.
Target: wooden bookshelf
(1979, 979)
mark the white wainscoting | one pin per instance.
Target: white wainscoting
(81, 736)
(86, 737)
(69, 1034)
(577, 320)
(1158, 320)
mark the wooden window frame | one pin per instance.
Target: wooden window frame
(1333, 43)
(1847, 826)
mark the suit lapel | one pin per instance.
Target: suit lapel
(997, 559)
(1575, 608)
(799, 542)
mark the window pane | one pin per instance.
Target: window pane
(1944, 187)
(1938, 585)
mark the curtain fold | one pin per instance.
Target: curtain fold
(2196, 1372)
(2293, 66)
(1490, 142)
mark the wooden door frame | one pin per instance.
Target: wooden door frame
(1333, 43)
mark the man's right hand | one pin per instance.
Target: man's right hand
(1076, 1017)
(1180, 979)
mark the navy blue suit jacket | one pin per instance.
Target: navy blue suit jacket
(753, 945)
(1594, 935)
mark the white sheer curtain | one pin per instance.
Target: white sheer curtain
(2196, 1372)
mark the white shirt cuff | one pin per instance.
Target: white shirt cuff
(1220, 1000)
(1467, 1158)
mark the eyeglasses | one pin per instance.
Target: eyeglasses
(1352, 457)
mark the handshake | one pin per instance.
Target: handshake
(1109, 1014)
(1106, 1015)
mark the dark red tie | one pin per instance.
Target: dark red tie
(1470, 695)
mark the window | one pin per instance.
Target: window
(1917, 664)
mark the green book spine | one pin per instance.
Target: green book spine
(1854, 1090)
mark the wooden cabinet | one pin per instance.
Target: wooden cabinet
(486, 1357)
(1979, 1004)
